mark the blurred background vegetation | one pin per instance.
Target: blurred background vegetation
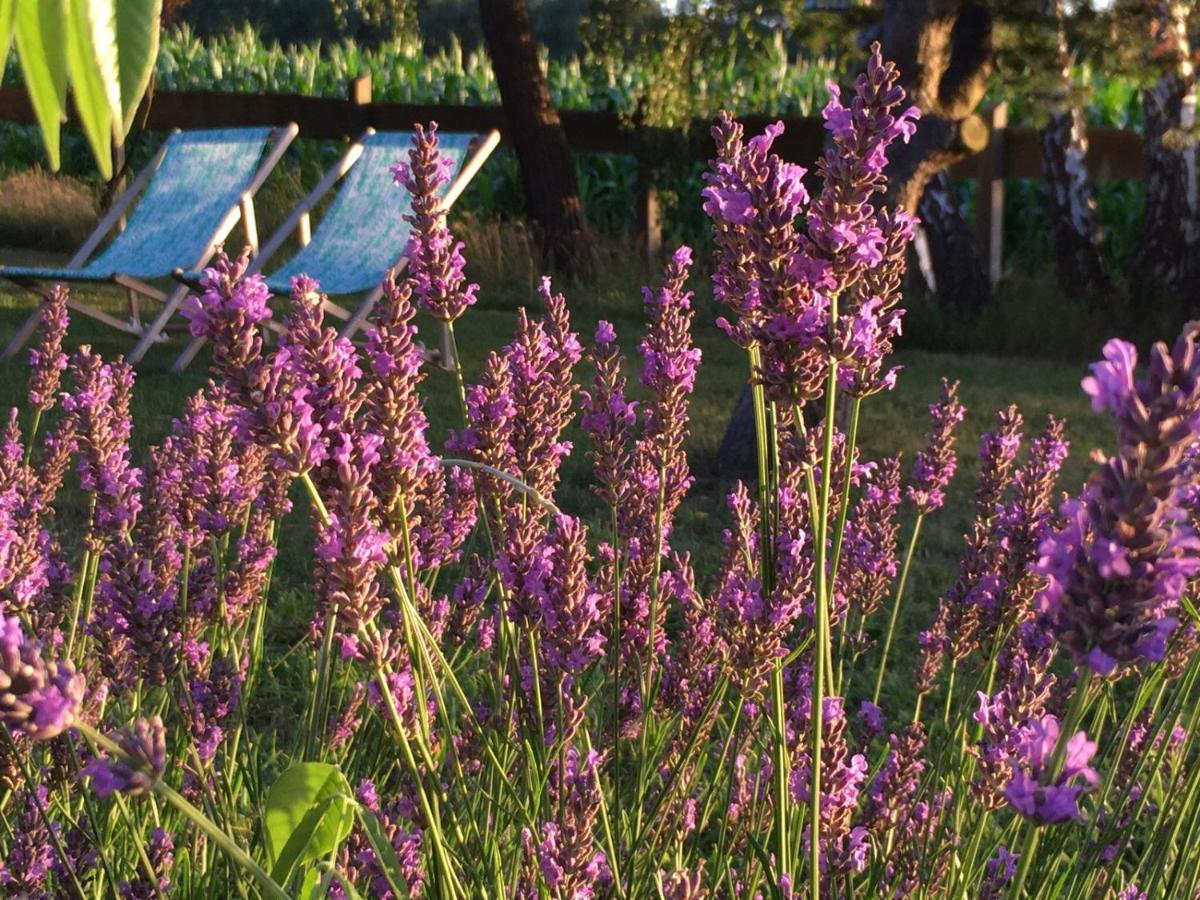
(666, 67)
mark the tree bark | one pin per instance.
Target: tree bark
(547, 175)
(1070, 206)
(944, 50)
(1163, 261)
(959, 276)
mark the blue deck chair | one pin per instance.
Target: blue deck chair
(363, 234)
(194, 191)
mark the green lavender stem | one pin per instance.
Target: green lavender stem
(887, 641)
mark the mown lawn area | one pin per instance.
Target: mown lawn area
(895, 421)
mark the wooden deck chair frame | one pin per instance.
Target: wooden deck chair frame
(300, 223)
(279, 140)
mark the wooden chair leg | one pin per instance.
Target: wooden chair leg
(135, 312)
(360, 315)
(184, 359)
(23, 334)
(154, 329)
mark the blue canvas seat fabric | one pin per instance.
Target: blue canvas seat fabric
(201, 177)
(363, 233)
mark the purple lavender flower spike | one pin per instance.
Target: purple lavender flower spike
(145, 749)
(563, 853)
(1117, 566)
(998, 872)
(934, 467)
(849, 250)
(229, 310)
(436, 264)
(1033, 791)
(161, 851)
(37, 698)
(47, 358)
(359, 858)
(31, 858)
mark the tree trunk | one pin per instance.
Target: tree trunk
(547, 175)
(1070, 206)
(959, 275)
(738, 453)
(944, 51)
(1168, 238)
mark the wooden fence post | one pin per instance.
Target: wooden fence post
(360, 90)
(649, 214)
(989, 200)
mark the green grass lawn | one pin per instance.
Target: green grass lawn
(891, 422)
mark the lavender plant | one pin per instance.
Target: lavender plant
(507, 696)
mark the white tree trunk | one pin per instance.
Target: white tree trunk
(1070, 206)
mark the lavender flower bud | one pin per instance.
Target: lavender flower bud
(47, 358)
(1034, 791)
(436, 263)
(228, 312)
(38, 698)
(1117, 567)
(145, 749)
(934, 467)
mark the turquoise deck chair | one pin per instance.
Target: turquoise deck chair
(362, 235)
(193, 192)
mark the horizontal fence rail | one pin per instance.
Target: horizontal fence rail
(1010, 152)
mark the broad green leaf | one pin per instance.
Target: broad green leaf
(39, 26)
(309, 813)
(8, 10)
(137, 47)
(91, 60)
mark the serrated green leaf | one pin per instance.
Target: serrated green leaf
(39, 26)
(309, 813)
(138, 24)
(92, 63)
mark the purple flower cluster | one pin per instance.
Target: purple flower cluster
(869, 563)
(1116, 568)
(228, 310)
(518, 411)
(955, 629)
(935, 465)
(844, 845)
(47, 359)
(38, 698)
(435, 259)
(562, 854)
(1043, 788)
(784, 284)
(141, 763)
(359, 859)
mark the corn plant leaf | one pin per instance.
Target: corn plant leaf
(92, 63)
(39, 26)
(137, 27)
(309, 813)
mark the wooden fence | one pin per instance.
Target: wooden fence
(1009, 152)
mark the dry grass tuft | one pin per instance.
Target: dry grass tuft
(45, 211)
